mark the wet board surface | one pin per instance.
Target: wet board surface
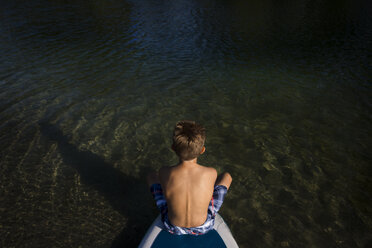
(219, 237)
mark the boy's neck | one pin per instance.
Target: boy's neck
(188, 162)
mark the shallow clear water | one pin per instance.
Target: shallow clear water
(90, 92)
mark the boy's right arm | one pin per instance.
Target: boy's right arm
(224, 179)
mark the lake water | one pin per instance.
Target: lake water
(90, 92)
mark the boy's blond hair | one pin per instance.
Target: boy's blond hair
(188, 139)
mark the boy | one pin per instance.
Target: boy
(188, 194)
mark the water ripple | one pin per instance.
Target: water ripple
(283, 89)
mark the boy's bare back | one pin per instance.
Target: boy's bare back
(188, 189)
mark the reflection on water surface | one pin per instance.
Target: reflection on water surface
(90, 91)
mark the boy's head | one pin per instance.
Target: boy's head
(188, 140)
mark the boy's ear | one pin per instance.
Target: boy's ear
(202, 150)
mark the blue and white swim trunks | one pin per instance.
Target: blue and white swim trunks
(214, 206)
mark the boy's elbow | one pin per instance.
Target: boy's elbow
(228, 176)
(224, 179)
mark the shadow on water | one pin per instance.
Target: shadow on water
(122, 191)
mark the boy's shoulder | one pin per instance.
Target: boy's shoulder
(212, 173)
(210, 170)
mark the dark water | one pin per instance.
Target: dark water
(90, 92)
